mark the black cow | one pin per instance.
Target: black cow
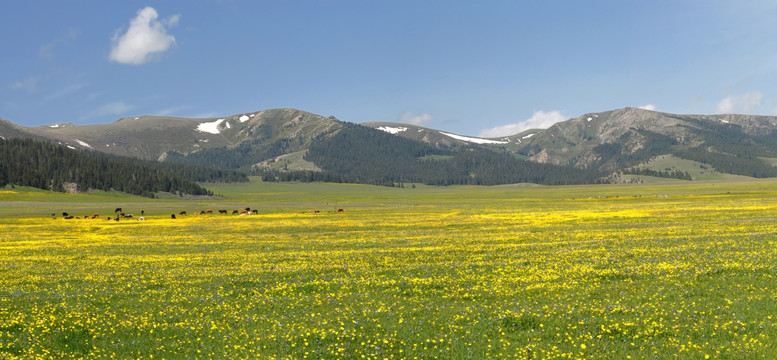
(117, 210)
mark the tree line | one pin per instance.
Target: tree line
(46, 165)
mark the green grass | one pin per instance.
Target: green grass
(666, 270)
(697, 170)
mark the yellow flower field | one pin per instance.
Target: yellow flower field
(454, 273)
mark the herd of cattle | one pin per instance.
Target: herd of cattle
(119, 214)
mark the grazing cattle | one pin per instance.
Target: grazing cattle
(117, 210)
(182, 212)
(222, 211)
(209, 211)
(108, 218)
(255, 212)
(172, 216)
(65, 214)
(95, 216)
(339, 210)
(248, 209)
(142, 212)
(127, 216)
(234, 212)
(315, 211)
(142, 218)
(244, 212)
(202, 212)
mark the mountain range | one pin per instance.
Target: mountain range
(290, 144)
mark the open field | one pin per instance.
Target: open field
(684, 270)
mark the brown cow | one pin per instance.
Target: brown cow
(209, 211)
(339, 210)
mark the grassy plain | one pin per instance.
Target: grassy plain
(682, 270)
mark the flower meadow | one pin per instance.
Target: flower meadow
(597, 272)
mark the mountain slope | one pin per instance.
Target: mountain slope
(361, 154)
(287, 140)
(173, 138)
(618, 139)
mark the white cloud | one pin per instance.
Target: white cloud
(145, 37)
(650, 107)
(741, 104)
(540, 120)
(29, 84)
(170, 110)
(413, 119)
(205, 115)
(71, 89)
(46, 50)
(116, 108)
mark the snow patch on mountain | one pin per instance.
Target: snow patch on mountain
(210, 127)
(392, 130)
(84, 144)
(473, 140)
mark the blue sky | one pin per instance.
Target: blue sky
(486, 68)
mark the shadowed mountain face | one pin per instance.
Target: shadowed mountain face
(281, 140)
